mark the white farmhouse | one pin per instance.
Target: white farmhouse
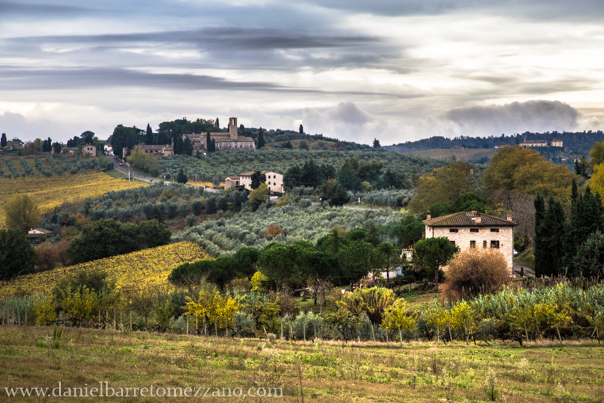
(475, 230)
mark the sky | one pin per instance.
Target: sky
(357, 70)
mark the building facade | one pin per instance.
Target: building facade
(475, 230)
(156, 150)
(89, 150)
(274, 180)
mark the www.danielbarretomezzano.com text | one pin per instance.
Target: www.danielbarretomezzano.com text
(105, 390)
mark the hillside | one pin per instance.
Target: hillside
(51, 192)
(215, 167)
(473, 155)
(574, 142)
(145, 268)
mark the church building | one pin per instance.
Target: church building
(225, 141)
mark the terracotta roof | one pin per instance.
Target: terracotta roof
(467, 219)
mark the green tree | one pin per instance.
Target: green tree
(434, 253)
(376, 143)
(209, 143)
(409, 230)
(182, 177)
(540, 240)
(311, 174)
(357, 259)
(258, 196)
(22, 213)
(260, 141)
(149, 136)
(526, 171)
(257, 179)
(392, 258)
(123, 137)
(589, 260)
(3, 140)
(278, 263)
(301, 129)
(217, 123)
(146, 162)
(88, 137)
(17, 255)
(56, 147)
(150, 234)
(340, 196)
(444, 184)
(293, 177)
(246, 259)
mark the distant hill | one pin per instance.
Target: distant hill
(574, 142)
(473, 155)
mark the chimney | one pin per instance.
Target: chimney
(428, 215)
(509, 216)
(478, 218)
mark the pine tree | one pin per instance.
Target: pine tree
(260, 141)
(149, 136)
(182, 177)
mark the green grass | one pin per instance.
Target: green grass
(322, 371)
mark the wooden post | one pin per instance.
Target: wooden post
(99, 318)
(304, 330)
(205, 327)
(114, 319)
(25, 316)
(106, 319)
(386, 336)
(216, 325)
(18, 316)
(400, 334)
(226, 327)
(131, 320)
(281, 330)
(187, 319)
(315, 329)
(121, 321)
(373, 332)
(197, 325)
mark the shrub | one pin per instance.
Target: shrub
(47, 256)
(273, 230)
(474, 272)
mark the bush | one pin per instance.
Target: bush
(47, 256)
(474, 272)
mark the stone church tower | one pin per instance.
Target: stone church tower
(233, 128)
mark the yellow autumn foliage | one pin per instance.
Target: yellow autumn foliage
(51, 192)
(214, 307)
(134, 272)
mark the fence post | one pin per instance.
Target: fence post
(304, 330)
(205, 327)
(281, 330)
(25, 316)
(226, 327)
(187, 319)
(121, 321)
(197, 325)
(100, 318)
(18, 316)
(216, 325)
(131, 320)
(114, 320)
(106, 319)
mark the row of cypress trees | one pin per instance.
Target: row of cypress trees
(569, 246)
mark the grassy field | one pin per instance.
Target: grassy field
(146, 268)
(465, 154)
(311, 372)
(53, 191)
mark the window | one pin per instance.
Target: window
(473, 229)
(494, 229)
(495, 244)
(452, 243)
(472, 244)
(453, 230)
(484, 244)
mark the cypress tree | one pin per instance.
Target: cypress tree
(209, 142)
(3, 140)
(540, 238)
(149, 136)
(555, 221)
(260, 141)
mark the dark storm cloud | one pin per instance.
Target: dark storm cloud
(214, 38)
(23, 79)
(12, 9)
(515, 117)
(534, 9)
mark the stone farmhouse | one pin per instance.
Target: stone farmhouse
(274, 180)
(89, 150)
(475, 230)
(156, 150)
(225, 141)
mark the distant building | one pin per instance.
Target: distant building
(541, 143)
(225, 141)
(35, 233)
(157, 150)
(89, 150)
(274, 180)
(232, 182)
(70, 150)
(475, 230)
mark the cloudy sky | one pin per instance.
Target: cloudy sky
(397, 70)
